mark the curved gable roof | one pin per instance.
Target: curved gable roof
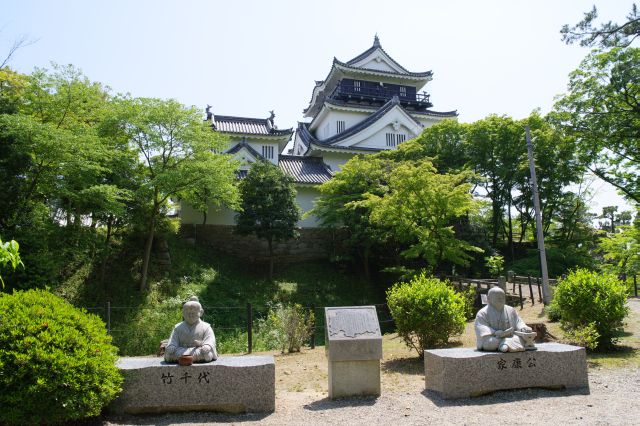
(307, 137)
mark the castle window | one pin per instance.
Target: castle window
(395, 139)
(356, 86)
(391, 139)
(403, 92)
(339, 126)
(267, 152)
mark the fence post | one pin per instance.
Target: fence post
(539, 289)
(533, 302)
(249, 328)
(520, 293)
(635, 284)
(108, 317)
(313, 327)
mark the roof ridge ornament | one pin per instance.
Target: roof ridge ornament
(376, 41)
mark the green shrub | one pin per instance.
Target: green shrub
(56, 362)
(552, 312)
(584, 336)
(586, 298)
(426, 311)
(287, 327)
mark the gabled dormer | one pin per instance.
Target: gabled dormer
(371, 77)
(251, 139)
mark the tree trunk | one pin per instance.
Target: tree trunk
(510, 242)
(270, 259)
(366, 254)
(105, 255)
(496, 213)
(204, 217)
(147, 248)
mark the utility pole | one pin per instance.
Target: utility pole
(546, 294)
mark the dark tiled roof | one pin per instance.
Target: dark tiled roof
(247, 126)
(243, 144)
(311, 170)
(428, 112)
(377, 45)
(391, 73)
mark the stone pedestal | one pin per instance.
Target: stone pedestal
(354, 350)
(466, 372)
(230, 384)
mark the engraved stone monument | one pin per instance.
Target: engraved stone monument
(506, 358)
(354, 350)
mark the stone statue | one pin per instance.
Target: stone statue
(500, 328)
(192, 336)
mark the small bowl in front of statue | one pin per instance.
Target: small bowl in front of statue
(185, 360)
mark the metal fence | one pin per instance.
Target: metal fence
(245, 319)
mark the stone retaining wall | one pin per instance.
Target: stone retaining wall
(313, 243)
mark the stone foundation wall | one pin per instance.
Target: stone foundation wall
(313, 243)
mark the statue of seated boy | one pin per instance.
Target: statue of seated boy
(192, 336)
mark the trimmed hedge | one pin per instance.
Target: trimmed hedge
(56, 361)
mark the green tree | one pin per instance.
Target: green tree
(268, 208)
(9, 255)
(497, 152)
(341, 206)
(176, 150)
(215, 189)
(601, 111)
(609, 34)
(419, 209)
(622, 251)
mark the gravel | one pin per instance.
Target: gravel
(613, 398)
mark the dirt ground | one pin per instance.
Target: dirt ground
(301, 391)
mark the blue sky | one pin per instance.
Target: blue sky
(248, 57)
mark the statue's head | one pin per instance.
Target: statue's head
(192, 311)
(496, 298)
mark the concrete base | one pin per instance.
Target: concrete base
(230, 384)
(354, 378)
(466, 372)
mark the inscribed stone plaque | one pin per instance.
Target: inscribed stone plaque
(353, 333)
(353, 322)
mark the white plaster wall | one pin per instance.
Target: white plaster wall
(427, 121)
(305, 198)
(381, 65)
(350, 119)
(335, 160)
(215, 215)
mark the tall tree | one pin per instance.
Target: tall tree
(177, 152)
(340, 205)
(602, 112)
(496, 151)
(419, 210)
(609, 34)
(268, 208)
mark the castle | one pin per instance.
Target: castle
(365, 105)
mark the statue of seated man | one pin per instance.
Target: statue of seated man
(500, 328)
(192, 336)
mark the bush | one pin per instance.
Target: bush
(583, 336)
(426, 311)
(586, 298)
(288, 327)
(56, 362)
